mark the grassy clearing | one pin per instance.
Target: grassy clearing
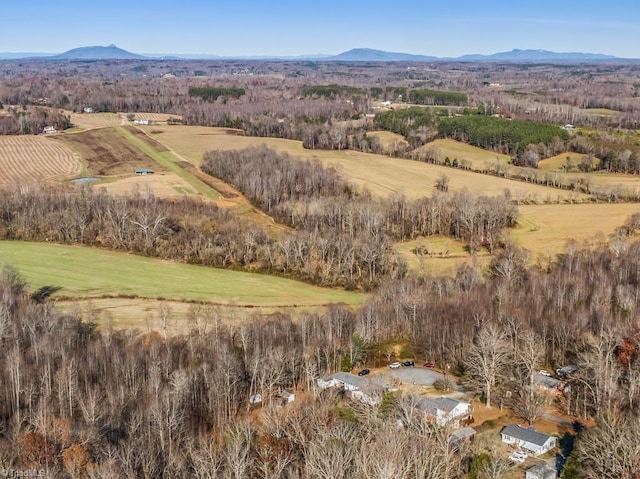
(382, 175)
(600, 112)
(559, 162)
(87, 272)
(168, 160)
(545, 229)
(477, 157)
(145, 314)
(388, 139)
(442, 255)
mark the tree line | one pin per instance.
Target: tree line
(311, 197)
(193, 231)
(499, 134)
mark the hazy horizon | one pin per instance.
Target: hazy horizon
(254, 28)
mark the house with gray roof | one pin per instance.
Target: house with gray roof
(366, 389)
(528, 438)
(443, 410)
(550, 385)
(348, 381)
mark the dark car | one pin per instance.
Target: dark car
(364, 372)
(429, 365)
(408, 364)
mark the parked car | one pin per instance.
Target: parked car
(364, 372)
(429, 365)
(544, 372)
(408, 364)
(395, 365)
(521, 454)
(566, 370)
(515, 458)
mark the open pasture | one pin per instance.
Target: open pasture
(438, 255)
(85, 273)
(89, 121)
(389, 140)
(381, 175)
(161, 185)
(545, 229)
(452, 149)
(559, 162)
(32, 159)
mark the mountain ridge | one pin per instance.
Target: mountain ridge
(112, 52)
(96, 52)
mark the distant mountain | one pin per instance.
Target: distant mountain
(535, 55)
(110, 52)
(369, 55)
(354, 55)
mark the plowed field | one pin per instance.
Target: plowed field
(33, 159)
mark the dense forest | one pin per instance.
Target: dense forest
(111, 404)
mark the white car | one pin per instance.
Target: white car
(544, 372)
(518, 456)
(395, 365)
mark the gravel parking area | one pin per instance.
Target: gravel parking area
(418, 376)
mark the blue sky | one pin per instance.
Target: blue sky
(284, 27)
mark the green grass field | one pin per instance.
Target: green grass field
(87, 272)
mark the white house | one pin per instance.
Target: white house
(528, 438)
(348, 381)
(443, 411)
(49, 129)
(368, 390)
(540, 471)
(141, 121)
(88, 109)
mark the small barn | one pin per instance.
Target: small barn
(143, 171)
(528, 438)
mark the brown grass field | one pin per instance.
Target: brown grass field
(89, 121)
(31, 159)
(381, 175)
(478, 157)
(388, 139)
(161, 185)
(557, 163)
(144, 314)
(545, 229)
(444, 256)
